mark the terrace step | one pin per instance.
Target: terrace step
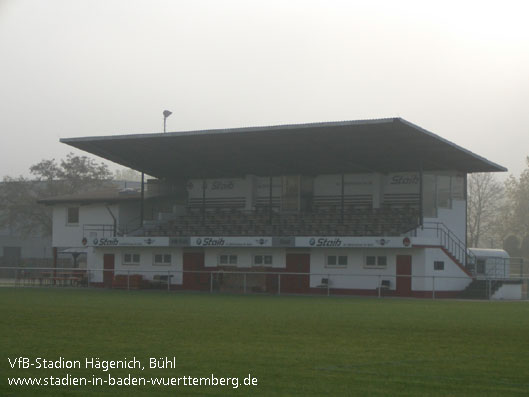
(479, 289)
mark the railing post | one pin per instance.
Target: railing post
(379, 282)
(128, 280)
(433, 287)
(87, 278)
(244, 283)
(279, 283)
(168, 281)
(328, 284)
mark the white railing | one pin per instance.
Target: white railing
(271, 282)
(453, 244)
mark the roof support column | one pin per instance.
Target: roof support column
(142, 198)
(421, 215)
(342, 202)
(270, 200)
(203, 202)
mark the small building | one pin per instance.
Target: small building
(492, 263)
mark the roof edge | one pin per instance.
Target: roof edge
(499, 168)
(270, 128)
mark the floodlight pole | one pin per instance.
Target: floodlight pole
(166, 113)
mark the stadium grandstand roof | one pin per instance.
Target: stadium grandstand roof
(379, 145)
(108, 195)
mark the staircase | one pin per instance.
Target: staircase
(481, 289)
(453, 247)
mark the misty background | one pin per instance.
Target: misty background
(82, 68)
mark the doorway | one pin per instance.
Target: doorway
(403, 275)
(108, 270)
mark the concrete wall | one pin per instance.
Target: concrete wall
(452, 278)
(454, 219)
(358, 276)
(245, 256)
(508, 291)
(355, 275)
(146, 268)
(66, 235)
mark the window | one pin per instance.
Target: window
(227, 259)
(480, 266)
(458, 187)
(337, 260)
(162, 259)
(73, 216)
(443, 192)
(260, 260)
(429, 205)
(131, 259)
(440, 190)
(376, 261)
(438, 265)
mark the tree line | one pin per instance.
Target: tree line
(19, 210)
(498, 213)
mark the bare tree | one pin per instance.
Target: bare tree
(19, 209)
(484, 200)
(515, 212)
(127, 174)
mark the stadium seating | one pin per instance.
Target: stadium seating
(232, 222)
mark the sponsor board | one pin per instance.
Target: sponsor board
(257, 241)
(216, 241)
(352, 242)
(180, 241)
(404, 179)
(129, 242)
(283, 241)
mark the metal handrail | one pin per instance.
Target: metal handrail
(453, 244)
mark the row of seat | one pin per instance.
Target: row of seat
(369, 223)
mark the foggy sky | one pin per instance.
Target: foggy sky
(81, 68)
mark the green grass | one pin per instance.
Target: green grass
(292, 345)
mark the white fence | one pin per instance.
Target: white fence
(279, 282)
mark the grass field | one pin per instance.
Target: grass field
(292, 345)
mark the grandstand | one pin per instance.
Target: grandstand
(375, 201)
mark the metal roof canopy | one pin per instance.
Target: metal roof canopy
(382, 145)
(107, 196)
